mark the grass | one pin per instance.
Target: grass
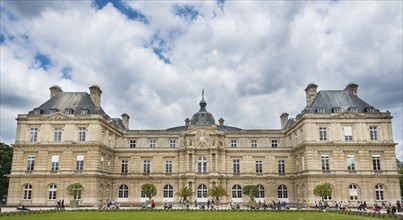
(183, 215)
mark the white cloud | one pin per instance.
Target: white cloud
(254, 59)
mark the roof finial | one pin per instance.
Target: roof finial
(202, 93)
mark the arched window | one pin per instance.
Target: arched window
(202, 165)
(123, 191)
(202, 191)
(282, 192)
(379, 189)
(236, 191)
(353, 192)
(27, 191)
(261, 192)
(52, 191)
(168, 191)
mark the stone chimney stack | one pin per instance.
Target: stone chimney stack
(352, 87)
(95, 94)
(221, 122)
(125, 120)
(310, 93)
(187, 122)
(54, 90)
(284, 119)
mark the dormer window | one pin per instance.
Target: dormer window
(369, 109)
(37, 111)
(85, 111)
(336, 110)
(68, 111)
(53, 110)
(320, 110)
(353, 109)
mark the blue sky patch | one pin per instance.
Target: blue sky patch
(220, 4)
(66, 71)
(1, 38)
(43, 61)
(160, 45)
(187, 12)
(123, 8)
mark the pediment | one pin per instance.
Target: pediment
(349, 114)
(57, 116)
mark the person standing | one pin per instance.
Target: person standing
(208, 203)
(399, 206)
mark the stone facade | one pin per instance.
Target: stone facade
(70, 139)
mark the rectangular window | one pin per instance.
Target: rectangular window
(325, 163)
(147, 164)
(373, 133)
(348, 133)
(172, 143)
(152, 143)
(236, 167)
(30, 162)
(34, 135)
(259, 167)
(132, 143)
(322, 133)
(376, 162)
(68, 111)
(125, 167)
(55, 163)
(303, 163)
(281, 166)
(274, 143)
(350, 162)
(253, 143)
(58, 135)
(85, 111)
(168, 167)
(81, 134)
(80, 162)
(233, 143)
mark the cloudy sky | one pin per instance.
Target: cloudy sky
(152, 59)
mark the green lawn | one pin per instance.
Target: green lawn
(192, 215)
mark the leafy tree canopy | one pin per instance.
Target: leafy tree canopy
(217, 192)
(149, 190)
(184, 192)
(6, 157)
(251, 190)
(322, 190)
(74, 189)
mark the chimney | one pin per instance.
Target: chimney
(187, 122)
(125, 120)
(352, 87)
(284, 119)
(54, 90)
(95, 94)
(221, 121)
(310, 93)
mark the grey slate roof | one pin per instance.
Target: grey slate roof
(343, 99)
(76, 101)
(220, 128)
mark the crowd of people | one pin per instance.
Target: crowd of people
(109, 204)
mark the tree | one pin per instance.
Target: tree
(184, 192)
(75, 189)
(322, 190)
(217, 192)
(251, 190)
(149, 190)
(6, 157)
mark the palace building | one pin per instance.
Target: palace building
(337, 138)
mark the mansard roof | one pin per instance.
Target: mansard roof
(76, 101)
(219, 127)
(326, 101)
